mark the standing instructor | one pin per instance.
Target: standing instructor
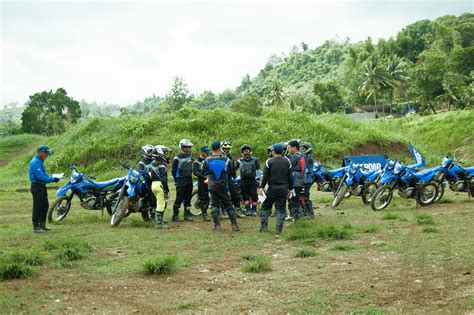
(39, 179)
(277, 173)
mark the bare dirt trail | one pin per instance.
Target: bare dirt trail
(10, 157)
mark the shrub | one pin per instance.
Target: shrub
(390, 216)
(32, 258)
(305, 252)
(343, 247)
(69, 250)
(12, 270)
(425, 219)
(256, 263)
(160, 265)
(430, 229)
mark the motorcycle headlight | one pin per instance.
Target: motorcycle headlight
(134, 177)
(74, 176)
(397, 168)
(353, 171)
(445, 162)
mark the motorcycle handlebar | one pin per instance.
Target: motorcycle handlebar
(125, 165)
(71, 166)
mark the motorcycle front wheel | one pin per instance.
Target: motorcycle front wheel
(195, 204)
(368, 192)
(59, 209)
(341, 192)
(428, 194)
(120, 212)
(381, 198)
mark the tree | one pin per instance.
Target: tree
(50, 113)
(428, 75)
(275, 96)
(396, 69)
(249, 104)
(329, 95)
(206, 100)
(179, 95)
(376, 78)
(454, 89)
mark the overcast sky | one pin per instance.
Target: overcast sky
(122, 52)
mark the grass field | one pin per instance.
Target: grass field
(348, 260)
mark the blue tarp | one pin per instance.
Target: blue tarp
(368, 161)
(378, 161)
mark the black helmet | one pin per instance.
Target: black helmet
(161, 153)
(307, 146)
(245, 147)
(270, 150)
(147, 152)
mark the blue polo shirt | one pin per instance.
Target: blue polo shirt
(38, 172)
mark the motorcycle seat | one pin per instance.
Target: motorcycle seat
(469, 170)
(340, 171)
(423, 173)
(109, 183)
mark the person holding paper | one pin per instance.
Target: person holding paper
(39, 178)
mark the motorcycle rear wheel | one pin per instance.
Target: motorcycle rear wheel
(440, 192)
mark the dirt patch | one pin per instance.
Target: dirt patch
(14, 155)
(387, 148)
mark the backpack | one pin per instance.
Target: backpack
(248, 168)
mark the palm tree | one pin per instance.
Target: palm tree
(275, 96)
(376, 78)
(396, 69)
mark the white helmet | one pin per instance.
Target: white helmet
(185, 145)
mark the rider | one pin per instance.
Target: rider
(203, 191)
(226, 148)
(307, 150)
(160, 184)
(298, 164)
(216, 167)
(248, 166)
(182, 172)
(144, 166)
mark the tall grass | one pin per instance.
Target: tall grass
(12, 144)
(96, 145)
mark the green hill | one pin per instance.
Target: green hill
(96, 145)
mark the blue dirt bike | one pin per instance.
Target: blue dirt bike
(358, 181)
(326, 179)
(92, 195)
(459, 179)
(422, 186)
(132, 197)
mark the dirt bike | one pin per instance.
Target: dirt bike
(92, 195)
(132, 198)
(358, 181)
(422, 186)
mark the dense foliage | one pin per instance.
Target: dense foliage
(50, 113)
(96, 145)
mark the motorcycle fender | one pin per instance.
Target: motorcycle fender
(63, 190)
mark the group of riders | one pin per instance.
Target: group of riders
(217, 170)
